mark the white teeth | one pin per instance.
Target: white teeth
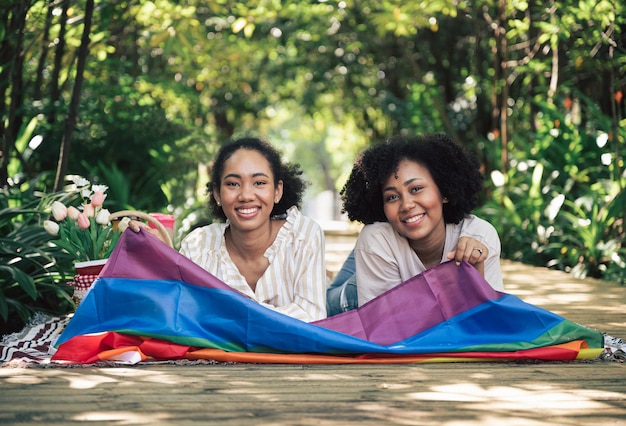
(247, 211)
(414, 218)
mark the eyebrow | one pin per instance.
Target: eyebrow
(238, 176)
(406, 183)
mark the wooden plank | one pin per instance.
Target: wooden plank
(348, 394)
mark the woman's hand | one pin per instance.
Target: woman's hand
(472, 251)
(137, 225)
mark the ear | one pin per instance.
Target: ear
(216, 196)
(278, 192)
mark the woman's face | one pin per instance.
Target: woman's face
(413, 204)
(247, 192)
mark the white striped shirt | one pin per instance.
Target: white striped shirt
(294, 283)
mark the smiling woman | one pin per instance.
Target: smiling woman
(266, 248)
(415, 196)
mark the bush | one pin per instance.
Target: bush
(33, 274)
(562, 202)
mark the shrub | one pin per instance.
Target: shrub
(33, 274)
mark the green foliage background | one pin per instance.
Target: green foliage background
(534, 87)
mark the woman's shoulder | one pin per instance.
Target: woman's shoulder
(298, 227)
(298, 222)
(376, 228)
(474, 222)
(375, 233)
(481, 229)
(206, 235)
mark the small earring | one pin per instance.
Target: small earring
(218, 203)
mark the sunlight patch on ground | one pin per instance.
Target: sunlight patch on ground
(547, 400)
(494, 420)
(317, 377)
(25, 380)
(142, 375)
(558, 299)
(85, 381)
(121, 417)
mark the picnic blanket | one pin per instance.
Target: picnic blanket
(151, 303)
(34, 343)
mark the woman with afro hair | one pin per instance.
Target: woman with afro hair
(415, 196)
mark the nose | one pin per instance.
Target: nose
(407, 204)
(247, 192)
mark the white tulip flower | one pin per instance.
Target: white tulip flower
(59, 211)
(103, 217)
(51, 227)
(123, 225)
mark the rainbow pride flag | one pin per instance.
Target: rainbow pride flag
(152, 303)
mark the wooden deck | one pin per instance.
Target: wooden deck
(556, 393)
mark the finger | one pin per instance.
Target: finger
(464, 243)
(451, 255)
(464, 249)
(136, 225)
(459, 255)
(476, 255)
(471, 251)
(479, 253)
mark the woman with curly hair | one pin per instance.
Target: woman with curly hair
(415, 196)
(262, 245)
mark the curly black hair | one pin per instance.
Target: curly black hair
(289, 173)
(455, 172)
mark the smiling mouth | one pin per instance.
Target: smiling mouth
(248, 210)
(415, 218)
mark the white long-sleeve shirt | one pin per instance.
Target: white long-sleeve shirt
(384, 258)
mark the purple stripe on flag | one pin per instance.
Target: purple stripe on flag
(143, 256)
(439, 294)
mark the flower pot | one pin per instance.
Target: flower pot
(86, 274)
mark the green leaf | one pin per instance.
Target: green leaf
(103, 236)
(23, 279)
(4, 307)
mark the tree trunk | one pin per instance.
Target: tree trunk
(554, 46)
(37, 94)
(504, 89)
(11, 65)
(55, 91)
(72, 114)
